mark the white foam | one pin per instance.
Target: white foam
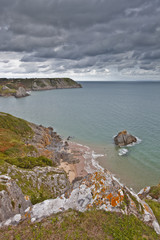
(90, 161)
(123, 151)
(134, 143)
(95, 163)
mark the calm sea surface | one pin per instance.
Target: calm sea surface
(97, 112)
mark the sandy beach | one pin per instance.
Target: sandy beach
(86, 161)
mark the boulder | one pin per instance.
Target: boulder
(5, 88)
(21, 92)
(124, 138)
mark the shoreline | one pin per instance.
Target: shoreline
(86, 164)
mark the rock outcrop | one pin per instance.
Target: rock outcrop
(124, 138)
(21, 92)
(12, 200)
(100, 190)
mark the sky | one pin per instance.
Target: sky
(94, 40)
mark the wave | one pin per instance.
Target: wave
(122, 151)
(134, 143)
(95, 163)
(91, 165)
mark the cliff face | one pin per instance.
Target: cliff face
(29, 160)
(20, 87)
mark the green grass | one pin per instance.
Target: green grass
(16, 125)
(30, 162)
(3, 187)
(155, 192)
(90, 225)
(155, 206)
(13, 133)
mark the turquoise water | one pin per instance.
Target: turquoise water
(94, 114)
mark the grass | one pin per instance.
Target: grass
(155, 206)
(13, 151)
(7, 91)
(155, 192)
(3, 187)
(30, 162)
(13, 133)
(90, 225)
(14, 124)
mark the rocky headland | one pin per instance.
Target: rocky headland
(42, 175)
(20, 87)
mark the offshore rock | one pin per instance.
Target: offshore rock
(124, 138)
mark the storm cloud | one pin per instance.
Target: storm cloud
(83, 39)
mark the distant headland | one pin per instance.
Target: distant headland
(20, 87)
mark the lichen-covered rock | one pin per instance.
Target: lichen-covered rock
(100, 190)
(12, 200)
(124, 138)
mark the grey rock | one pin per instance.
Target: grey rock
(5, 88)
(21, 92)
(12, 200)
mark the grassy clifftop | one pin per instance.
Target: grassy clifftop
(90, 225)
(13, 132)
(34, 173)
(10, 86)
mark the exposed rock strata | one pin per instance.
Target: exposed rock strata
(124, 138)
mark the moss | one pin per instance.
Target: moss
(3, 187)
(13, 204)
(30, 162)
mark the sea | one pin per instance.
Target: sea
(94, 114)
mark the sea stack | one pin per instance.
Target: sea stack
(124, 138)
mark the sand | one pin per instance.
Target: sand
(84, 166)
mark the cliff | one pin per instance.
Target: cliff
(20, 87)
(34, 186)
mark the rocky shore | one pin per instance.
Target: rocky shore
(42, 174)
(19, 87)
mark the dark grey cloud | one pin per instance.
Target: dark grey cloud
(80, 36)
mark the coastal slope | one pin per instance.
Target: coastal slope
(19, 87)
(40, 176)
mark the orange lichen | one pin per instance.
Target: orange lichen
(132, 203)
(26, 198)
(115, 201)
(109, 197)
(123, 132)
(147, 208)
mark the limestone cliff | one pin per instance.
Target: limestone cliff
(19, 87)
